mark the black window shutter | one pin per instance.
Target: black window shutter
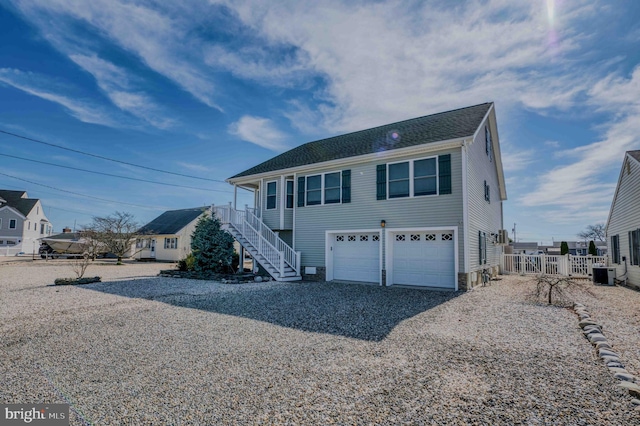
(444, 169)
(480, 248)
(381, 182)
(346, 186)
(301, 190)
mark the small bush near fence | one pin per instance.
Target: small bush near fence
(557, 290)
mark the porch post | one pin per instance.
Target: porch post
(235, 196)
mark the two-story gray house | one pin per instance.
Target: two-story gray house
(416, 203)
(623, 226)
(22, 223)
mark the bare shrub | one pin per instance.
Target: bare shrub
(558, 290)
(80, 264)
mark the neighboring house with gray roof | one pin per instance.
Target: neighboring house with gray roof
(22, 223)
(623, 225)
(418, 202)
(168, 237)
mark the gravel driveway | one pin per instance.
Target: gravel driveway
(152, 350)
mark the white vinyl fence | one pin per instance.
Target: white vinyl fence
(534, 264)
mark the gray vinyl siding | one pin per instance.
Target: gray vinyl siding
(625, 217)
(271, 218)
(6, 215)
(365, 211)
(483, 216)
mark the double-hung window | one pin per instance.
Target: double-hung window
(399, 180)
(425, 177)
(272, 188)
(12, 224)
(325, 188)
(634, 247)
(332, 188)
(413, 178)
(314, 190)
(487, 192)
(170, 243)
(615, 249)
(487, 141)
(289, 204)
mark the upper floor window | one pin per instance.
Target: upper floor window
(289, 202)
(487, 141)
(413, 178)
(272, 188)
(326, 188)
(12, 224)
(487, 192)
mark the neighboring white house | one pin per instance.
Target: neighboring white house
(623, 226)
(22, 223)
(168, 237)
(418, 202)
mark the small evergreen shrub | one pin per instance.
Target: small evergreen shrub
(564, 248)
(211, 247)
(593, 251)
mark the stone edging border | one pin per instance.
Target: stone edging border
(593, 332)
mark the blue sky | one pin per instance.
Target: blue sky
(210, 88)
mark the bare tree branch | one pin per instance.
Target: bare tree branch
(117, 232)
(593, 232)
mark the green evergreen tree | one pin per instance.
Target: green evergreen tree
(564, 248)
(211, 247)
(593, 251)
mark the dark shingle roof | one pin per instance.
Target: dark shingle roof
(417, 131)
(634, 154)
(172, 221)
(14, 199)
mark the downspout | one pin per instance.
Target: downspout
(235, 196)
(465, 207)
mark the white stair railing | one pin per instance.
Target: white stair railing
(276, 252)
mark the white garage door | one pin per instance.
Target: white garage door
(356, 256)
(424, 258)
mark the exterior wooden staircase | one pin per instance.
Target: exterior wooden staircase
(269, 250)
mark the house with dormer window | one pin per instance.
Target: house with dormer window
(415, 203)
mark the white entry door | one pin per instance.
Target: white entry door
(152, 248)
(424, 258)
(356, 256)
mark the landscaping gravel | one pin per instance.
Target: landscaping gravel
(140, 349)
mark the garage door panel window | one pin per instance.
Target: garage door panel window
(423, 259)
(356, 257)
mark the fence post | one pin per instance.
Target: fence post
(298, 266)
(543, 264)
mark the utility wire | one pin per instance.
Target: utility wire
(83, 195)
(106, 158)
(112, 175)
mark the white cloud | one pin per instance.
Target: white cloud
(516, 160)
(117, 85)
(48, 89)
(260, 131)
(160, 38)
(194, 167)
(388, 61)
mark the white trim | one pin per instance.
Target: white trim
(293, 225)
(412, 177)
(283, 189)
(389, 248)
(359, 159)
(627, 157)
(465, 208)
(16, 211)
(328, 252)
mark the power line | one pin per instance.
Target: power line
(107, 158)
(112, 175)
(83, 195)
